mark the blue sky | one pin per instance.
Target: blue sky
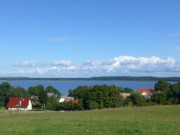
(77, 38)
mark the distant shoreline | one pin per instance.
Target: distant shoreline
(108, 78)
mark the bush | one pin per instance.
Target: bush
(136, 98)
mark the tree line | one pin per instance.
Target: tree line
(105, 78)
(103, 96)
(92, 97)
(38, 92)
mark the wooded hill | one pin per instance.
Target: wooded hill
(104, 78)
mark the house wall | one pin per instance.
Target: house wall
(25, 109)
(29, 107)
(61, 100)
(125, 95)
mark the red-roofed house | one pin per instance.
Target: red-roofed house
(20, 103)
(74, 101)
(146, 91)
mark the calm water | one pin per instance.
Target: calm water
(64, 86)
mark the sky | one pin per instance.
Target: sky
(78, 38)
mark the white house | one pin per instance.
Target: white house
(19, 103)
(65, 98)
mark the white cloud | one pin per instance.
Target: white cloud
(29, 64)
(122, 65)
(39, 63)
(175, 35)
(62, 39)
(177, 48)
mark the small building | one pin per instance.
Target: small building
(51, 94)
(146, 91)
(20, 103)
(125, 95)
(67, 99)
(33, 97)
(146, 97)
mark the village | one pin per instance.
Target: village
(87, 97)
(26, 103)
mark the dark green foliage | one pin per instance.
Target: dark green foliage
(128, 90)
(136, 98)
(70, 106)
(160, 98)
(53, 104)
(33, 91)
(43, 98)
(39, 92)
(115, 88)
(4, 87)
(51, 89)
(80, 92)
(16, 92)
(162, 86)
(79, 106)
(176, 91)
(98, 96)
(128, 102)
(7, 91)
(39, 88)
(93, 105)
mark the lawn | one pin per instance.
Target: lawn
(154, 120)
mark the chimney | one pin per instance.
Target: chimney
(20, 102)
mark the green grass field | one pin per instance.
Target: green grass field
(155, 120)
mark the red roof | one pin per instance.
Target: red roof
(18, 102)
(74, 101)
(149, 91)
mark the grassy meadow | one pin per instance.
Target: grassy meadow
(154, 120)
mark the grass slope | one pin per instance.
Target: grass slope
(155, 120)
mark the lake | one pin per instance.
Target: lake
(64, 86)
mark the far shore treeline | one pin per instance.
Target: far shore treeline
(91, 97)
(108, 78)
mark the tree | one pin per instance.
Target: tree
(162, 86)
(99, 96)
(128, 90)
(4, 87)
(160, 98)
(15, 92)
(39, 88)
(176, 90)
(53, 104)
(80, 92)
(51, 89)
(43, 98)
(33, 91)
(136, 98)
(93, 105)
(114, 87)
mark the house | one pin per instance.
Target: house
(33, 97)
(68, 99)
(125, 95)
(146, 97)
(65, 98)
(51, 94)
(146, 91)
(20, 103)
